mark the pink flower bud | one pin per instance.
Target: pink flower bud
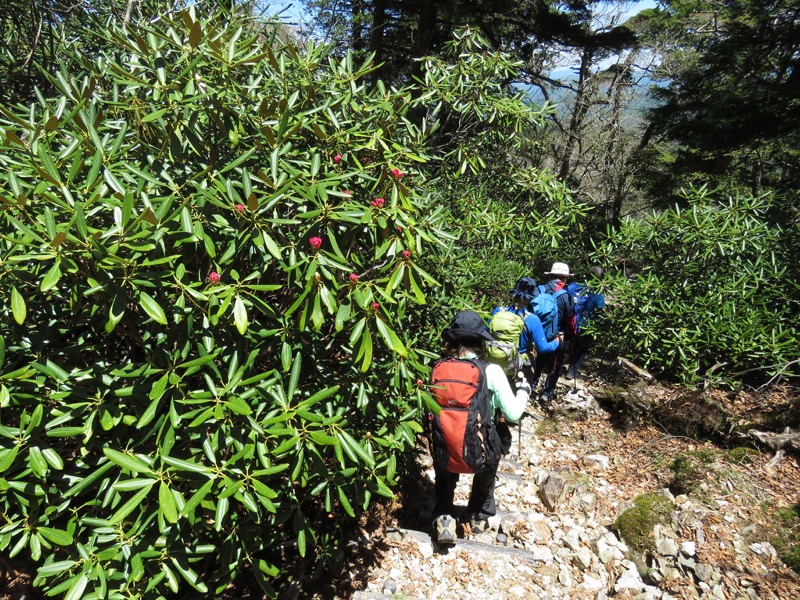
(347, 193)
(240, 208)
(315, 242)
(353, 278)
(376, 306)
(337, 159)
(378, 202)
(397, 173)
(406, 253)
(420, 382)
(214, 277)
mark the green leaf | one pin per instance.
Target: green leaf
(345, 502)
(51, 278)
(53, 458)
(7, 457)
(185, 465)
(117, 310)
(18, 308)
(127, 461)
(57, 536)
(76, 589)
(240, 315)
(167, 503)
(390, 338)
(197, 498)
(152, 308)
(130, 505)
(55, 568)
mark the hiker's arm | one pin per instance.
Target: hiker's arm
(537, 334)
(510, 402)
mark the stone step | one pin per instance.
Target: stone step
(424, 538)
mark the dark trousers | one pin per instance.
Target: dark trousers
(481, 498)
(582, 345)
(549, 364)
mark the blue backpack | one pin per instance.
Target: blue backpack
(545, 307)
(584, 304)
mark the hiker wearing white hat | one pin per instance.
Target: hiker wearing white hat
(559, 269)
(551, 363)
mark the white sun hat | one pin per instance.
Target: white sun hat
(559, 268)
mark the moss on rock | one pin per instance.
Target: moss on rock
(635, 525)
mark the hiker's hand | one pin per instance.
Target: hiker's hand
(560, 337)
(524, 386)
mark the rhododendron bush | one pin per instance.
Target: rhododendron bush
(216, 262)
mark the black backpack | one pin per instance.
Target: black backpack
(465, 438)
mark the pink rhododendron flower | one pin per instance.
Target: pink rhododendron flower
(240, 208)
(406, 253)
(214, 277)
(376, 305)
(337, 159)
(397, 173)
(315, 242)
(378, 202)
(353, 278)
(347, 193)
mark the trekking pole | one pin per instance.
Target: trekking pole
(519, 439)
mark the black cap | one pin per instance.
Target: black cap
(467, 325)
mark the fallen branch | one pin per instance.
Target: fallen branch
(778, 441)
(638, 370)
(775, 459)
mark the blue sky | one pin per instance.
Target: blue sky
(294, 9)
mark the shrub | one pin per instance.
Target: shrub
(705, 292)
(216, 261)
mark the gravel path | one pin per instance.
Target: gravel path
(559, 492)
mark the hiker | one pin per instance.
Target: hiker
(586, 303)
(531, 340)
(550, 364)
(474, 395)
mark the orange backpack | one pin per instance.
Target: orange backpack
(465, 439)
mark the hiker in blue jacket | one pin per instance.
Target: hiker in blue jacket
(587, 302)
(551, 363)
(532, 336)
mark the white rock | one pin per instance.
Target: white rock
(629, 580)
(688, 548)
(591, 584)
(582, 559)
(598, 460)
(571, 541)
(426, 550)
(667, 547)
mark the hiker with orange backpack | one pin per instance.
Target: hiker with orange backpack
(472, 395)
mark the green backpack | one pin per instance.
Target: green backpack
(505, 327)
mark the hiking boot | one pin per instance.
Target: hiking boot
(478, 525)
(444, 528)
(548, 400)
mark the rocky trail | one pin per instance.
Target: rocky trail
(697, 517)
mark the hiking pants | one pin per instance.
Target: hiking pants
(549, 364)
(481, 498)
